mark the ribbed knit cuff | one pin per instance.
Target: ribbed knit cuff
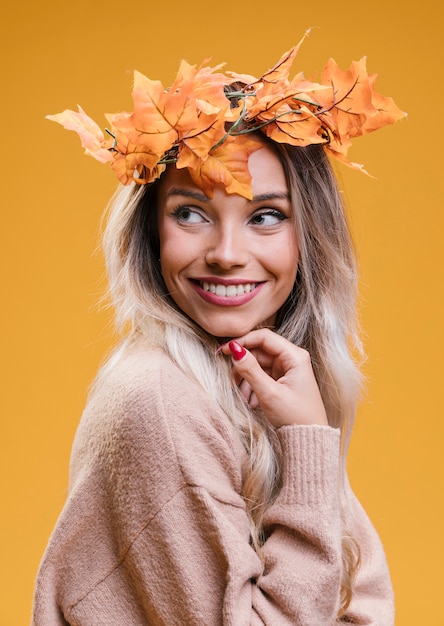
(310, 464)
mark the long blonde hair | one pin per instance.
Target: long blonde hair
(319, 315)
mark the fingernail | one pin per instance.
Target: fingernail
(237, 351)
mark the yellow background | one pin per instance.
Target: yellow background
(54, 333)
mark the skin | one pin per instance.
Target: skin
(277, 376)
(227, 241)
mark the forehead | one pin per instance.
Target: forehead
(266, 170)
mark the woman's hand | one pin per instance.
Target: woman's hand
(278, 377)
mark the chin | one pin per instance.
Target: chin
(223, 332)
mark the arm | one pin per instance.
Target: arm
(281, 381)
(372, 600)
(303, 550)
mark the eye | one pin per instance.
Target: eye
(187, 215)
(270, 217)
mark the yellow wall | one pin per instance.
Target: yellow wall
(55, 55)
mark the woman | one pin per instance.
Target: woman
(207, 481)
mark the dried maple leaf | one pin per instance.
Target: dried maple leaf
(284, 110)
(208, 86)
(197, 125)
(227, 165)
(153, 119)
(91, 136)
(301, 125)
(353, 107)
(280, 72)
(162, 118)
(136, 164)
(385, 111)
(199, 145)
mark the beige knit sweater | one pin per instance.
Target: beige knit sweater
(154, 531)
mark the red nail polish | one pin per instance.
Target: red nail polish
(237, 351)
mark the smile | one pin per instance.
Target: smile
(228, 290)
(227, 295)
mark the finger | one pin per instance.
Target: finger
(253, 402)
(248, 394)
(277, 356)
(247, 366)
(237, 378)
(245, 390)
(266, 360)
(265, 339)
(273, 351)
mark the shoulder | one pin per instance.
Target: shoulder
(136, 372)
(125, 399)
(146, 384)
(146, 416)
(138, 382)
(143, 377)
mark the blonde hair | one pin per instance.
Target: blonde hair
(319, 315)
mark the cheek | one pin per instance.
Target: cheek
(286, 260)
(176, 249)
(168, 258)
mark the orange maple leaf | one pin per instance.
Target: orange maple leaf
(280, 72)
(91, 136)
(162, 118)
(136, 164)
(274, 87)
(196, 147)
(152, 122)
(301, 125)
(384, 110)
(227, 165)
(352, 106)
(208, 86)
(212, 108)
(194, 123)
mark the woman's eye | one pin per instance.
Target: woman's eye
(186, 215)
(268, 218)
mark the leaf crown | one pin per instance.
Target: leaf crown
(204, 124)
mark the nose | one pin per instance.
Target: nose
(227, 247)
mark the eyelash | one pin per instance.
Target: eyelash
(273, 212)
(177, 213)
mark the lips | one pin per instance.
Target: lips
(232, 292)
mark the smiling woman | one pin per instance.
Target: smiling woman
(207, 481)
(229, 263)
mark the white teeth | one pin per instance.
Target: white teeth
(229, 290)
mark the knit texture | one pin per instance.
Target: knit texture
(154, 530)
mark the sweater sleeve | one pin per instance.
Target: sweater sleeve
(155, 529)
(372, 602)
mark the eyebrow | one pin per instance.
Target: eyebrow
(188, 193)
(278, 195)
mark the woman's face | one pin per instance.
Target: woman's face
(229, 263)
